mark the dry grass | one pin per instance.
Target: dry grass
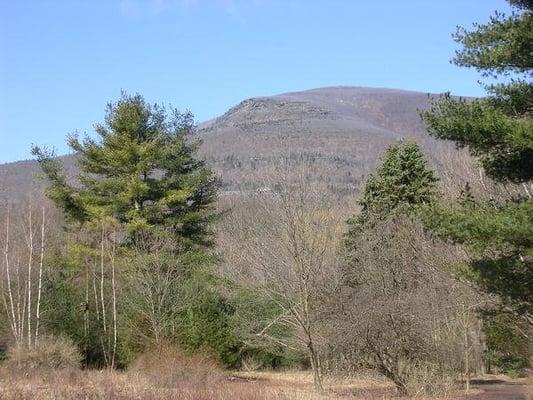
(51, 352)
(188, 379)
(167, 366)
(112, 385)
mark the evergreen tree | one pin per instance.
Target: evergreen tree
(400, 185)
(401, 182)
(142, 191)
(141, 171)
(498, 129)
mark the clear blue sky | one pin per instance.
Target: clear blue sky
(62, 61)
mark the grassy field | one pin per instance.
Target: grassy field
(210, 384)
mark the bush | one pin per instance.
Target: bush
(426, 380)
(167, 366)
(50, 352)
(509, 349)
(205, 325)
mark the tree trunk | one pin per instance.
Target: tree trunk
(30, 259)
(314, 359)
(40, 283)
(389, 368)
(9, 286)
(114, 292)
(86, 315)
(105, 345)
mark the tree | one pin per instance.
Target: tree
(284, 248)
(397, 283)
(142, 171)
(401, 312)
(171, 299)
(139, 178)
(402, 181)
(498, 130)
(24, 240)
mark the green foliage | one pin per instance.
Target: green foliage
(141, 170)
(176, 299)
(402, 181)
(205, 325)
(62, 297)
(64, 305)
(498, 129)
(484, 225)
(142, 204)
(504, 44)
(509, 349)
(500, 239)
(502, 140)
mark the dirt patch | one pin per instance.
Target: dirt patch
(497, 388)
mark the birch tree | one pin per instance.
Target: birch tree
(24, 241)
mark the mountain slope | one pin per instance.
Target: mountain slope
(343, 129)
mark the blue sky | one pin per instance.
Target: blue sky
(62, 61)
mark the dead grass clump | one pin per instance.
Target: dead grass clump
(426, 380)
(50, 352)
(167, 367)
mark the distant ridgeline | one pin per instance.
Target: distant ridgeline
(344, 130)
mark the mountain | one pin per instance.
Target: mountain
(343, 129)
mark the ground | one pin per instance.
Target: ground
(209, 385)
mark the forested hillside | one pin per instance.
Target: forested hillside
(343, 129)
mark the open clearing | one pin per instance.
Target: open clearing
(92, 385)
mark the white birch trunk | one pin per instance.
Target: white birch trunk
(30, 262)
(39, 285)
(114, 305)
(9, 285)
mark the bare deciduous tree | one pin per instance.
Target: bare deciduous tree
(402, 311)
(285, 247)
(152, 293)
(20, 296)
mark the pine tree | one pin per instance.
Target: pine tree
(402, 182)
(141, 170)
(142, 204)
(498, 130)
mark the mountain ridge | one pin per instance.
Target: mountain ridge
(342, 128)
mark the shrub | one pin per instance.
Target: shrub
(425, 380)
(205, 325)
(168, 366)
(50, 352)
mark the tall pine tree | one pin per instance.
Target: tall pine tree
(145, 202)
(498, 130)
(141, 170)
